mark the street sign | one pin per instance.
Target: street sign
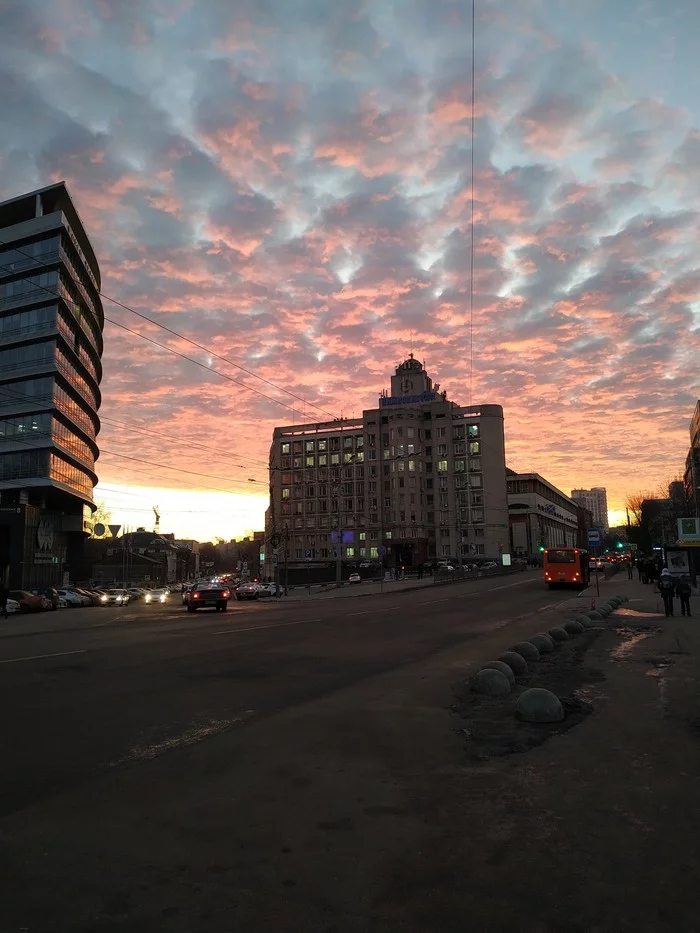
(594, 537)
(308, 553)
(381, 550)
(114, 529)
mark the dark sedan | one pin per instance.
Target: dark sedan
(29, 602)
(212, 595)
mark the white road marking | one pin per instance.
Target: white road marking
(508, 586)
(366, 612)
(40, 657)
(429, 602)
(258, 628)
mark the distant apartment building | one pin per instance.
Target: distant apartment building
(51, 324)
(418, 478)
(540, 515)
(596, 501)
(691, 477)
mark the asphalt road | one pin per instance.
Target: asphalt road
(128, 684)
(124, 711)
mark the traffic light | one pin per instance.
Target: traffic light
(541, 548)
(619, 545)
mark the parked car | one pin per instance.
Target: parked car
(354, 578)
(49, 593)
(29, 602)
(85, 600)
(71, 598)
(247, 591)
(94, 596)
(12, 606)
(214, 595)
(115, 598)
(156, 596)
(489, 565)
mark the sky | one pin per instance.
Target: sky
(288, 183)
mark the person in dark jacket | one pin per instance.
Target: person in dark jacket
(4, 596)
(683, 591)
(667, 588)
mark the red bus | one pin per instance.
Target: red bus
(566, 566)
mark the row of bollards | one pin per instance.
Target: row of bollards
(496, 678)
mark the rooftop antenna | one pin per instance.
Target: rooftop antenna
(157, 515)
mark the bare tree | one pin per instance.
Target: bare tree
(633, 504)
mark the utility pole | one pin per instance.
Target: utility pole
(338, 489)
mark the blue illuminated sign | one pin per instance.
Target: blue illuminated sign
(407, 399)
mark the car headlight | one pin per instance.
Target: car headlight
(103, 599)
(162, 598)
(148, 598)
(117, 599)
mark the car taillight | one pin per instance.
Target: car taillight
(225, 594)
(194, 595)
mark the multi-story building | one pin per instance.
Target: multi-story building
(540, 515)
(51, 323)
(596, 501)
(691, 477)
(417, 478)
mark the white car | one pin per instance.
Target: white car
(12, 605)
(73, 599)
(156, 596)
(489, 565)
(354, 578)
(267, 589)
(115, 598)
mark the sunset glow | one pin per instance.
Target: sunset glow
(289, 186)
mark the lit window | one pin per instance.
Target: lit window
(310, 461)
(363, 535)
(474, 447)
(374, 552)
(335, 459)
(411, 466)
(349, 551)
(323, 445)
(286, 492)
(388, 535)
(442, 466)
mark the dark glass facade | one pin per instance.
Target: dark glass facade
(51, 323)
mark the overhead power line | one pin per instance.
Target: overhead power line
(40, 264)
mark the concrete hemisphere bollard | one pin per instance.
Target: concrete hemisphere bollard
(527, 650)
(615, 601)
(584, 620)
(491, 683)
(543, 643)
(539, 705)
(594, 615)
(573, 627)
(516, 662)
(501, 666)
(557, 633)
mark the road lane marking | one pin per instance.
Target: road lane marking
(508, 586)
(366, 612)
(39, 657)
(429, 602)
(258, 628)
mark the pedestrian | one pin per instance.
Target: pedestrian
(683, 591)
(667, 588)
(4, 596)
(629, 570)
(420, 571)
(640, 569)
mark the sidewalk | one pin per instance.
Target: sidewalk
(372, 588)
(642, 596)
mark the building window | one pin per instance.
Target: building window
(310, 447)
(347, 443)
(286, 492)
(335, 459)
(349, 551)
(323, 445)
(460, 466)
(442, 466)
(310, 461)
(475, 480)
(445, 550)
(473, 430)
(388, 536)
(296, 463)
(475, 464)
(323, 460)
(286, 447)
(297, 447)
(474, 447)
(359, 440)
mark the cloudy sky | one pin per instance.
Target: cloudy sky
(287, 182)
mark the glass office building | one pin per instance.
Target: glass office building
(51, 323)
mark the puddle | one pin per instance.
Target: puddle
(638, 614)
(632, 639)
